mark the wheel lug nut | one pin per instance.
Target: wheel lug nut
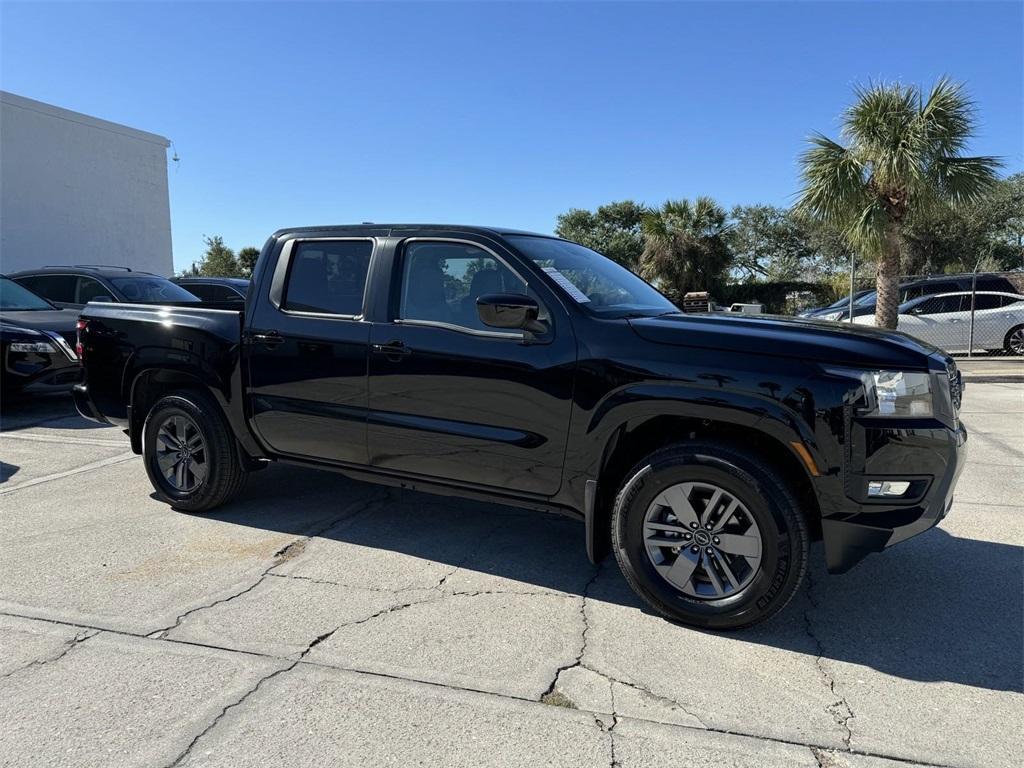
(687, 536)
(708, 526)
(709, 550)
(695, 549)
(693, 525)
(716, 540)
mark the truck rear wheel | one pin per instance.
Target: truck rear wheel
(190, 454)
(709, 536)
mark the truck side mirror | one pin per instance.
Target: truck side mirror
(510, 310)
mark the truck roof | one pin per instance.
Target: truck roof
(382, 228)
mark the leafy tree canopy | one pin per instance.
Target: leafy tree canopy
(613, 229)
(247, 260)
(770, 243)
(217, 260)
(686, 246)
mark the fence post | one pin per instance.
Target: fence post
(853, 272)
(974, 288)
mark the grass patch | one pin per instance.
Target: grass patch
(557, 699)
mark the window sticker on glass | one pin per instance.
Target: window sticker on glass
(567, 284)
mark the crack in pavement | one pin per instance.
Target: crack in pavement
(840, 709)
(579, 662)
(293, 662)
(287, 552)
(241, 700)
(671, 703)
(67, 647)
(583, 635)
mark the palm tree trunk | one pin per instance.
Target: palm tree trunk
(888, 280)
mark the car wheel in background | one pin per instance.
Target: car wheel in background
(1014, 341)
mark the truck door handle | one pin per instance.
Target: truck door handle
(393, 350)
(267, 338)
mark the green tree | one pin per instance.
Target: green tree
(769, 243)
(217, 260)
(904, 153)
(686, 246)
(247, 260)
(939, 238)
(1001, 215)
(613, 229)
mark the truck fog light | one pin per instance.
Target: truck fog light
(887, 487)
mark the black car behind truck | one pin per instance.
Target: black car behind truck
(706, 451)
(37, 343)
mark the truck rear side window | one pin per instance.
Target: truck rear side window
(328, 277)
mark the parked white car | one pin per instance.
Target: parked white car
(945, 321)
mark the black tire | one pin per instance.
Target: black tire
(765, 502)
(1012, 339)
(224, 474)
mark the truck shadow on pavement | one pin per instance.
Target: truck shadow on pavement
(937, 608)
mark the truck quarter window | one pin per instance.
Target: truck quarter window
(328, 276)
(442, 281)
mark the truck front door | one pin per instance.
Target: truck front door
(451, 398)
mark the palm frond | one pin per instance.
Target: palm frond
(867, 227)
(833, 180)
(947, 117)
(963, 180)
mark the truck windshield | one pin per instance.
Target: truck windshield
(151, 290)
(591, 280)
(14, 298)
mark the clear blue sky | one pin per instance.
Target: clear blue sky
(287, 114)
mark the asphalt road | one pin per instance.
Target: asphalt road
(318, 621)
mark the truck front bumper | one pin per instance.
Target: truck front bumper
(931, 460)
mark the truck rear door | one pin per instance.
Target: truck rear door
(307, 346)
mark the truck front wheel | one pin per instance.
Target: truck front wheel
(709, 536)
(190, 454)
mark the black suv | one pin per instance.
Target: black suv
(75, 286)
(221, 289)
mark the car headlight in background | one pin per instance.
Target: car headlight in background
(831, 315)
(897, 394)
(40, 347)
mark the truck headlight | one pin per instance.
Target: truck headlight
(897, 394)
(41, 347)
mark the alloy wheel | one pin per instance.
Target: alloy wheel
(702, 540)
(1016, 342)
(181, 453)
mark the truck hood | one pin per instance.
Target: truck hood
(804, 339)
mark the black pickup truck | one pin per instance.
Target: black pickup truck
(705, 451)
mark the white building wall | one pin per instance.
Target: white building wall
(78, 190)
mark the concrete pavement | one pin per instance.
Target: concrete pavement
(318, 621)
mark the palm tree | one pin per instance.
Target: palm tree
(686, 246)
(903, 154)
